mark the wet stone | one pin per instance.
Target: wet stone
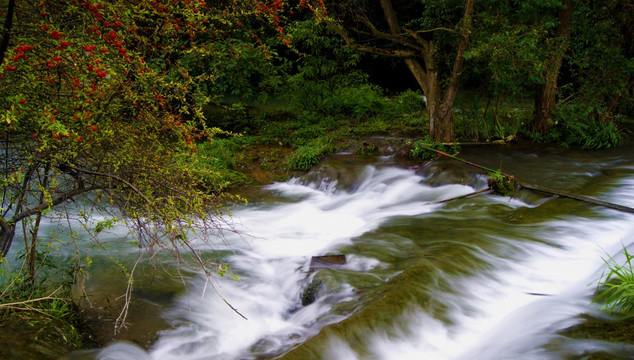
(312, 292)
(326, 261)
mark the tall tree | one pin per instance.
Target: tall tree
(546, 91)
(420, 34)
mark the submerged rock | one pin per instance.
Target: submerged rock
(316, 287)
(326, 261)
(312, 292)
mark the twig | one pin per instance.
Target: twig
(47, 297)
(202, 264)
(120, 321)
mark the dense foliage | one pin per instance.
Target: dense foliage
(102, 111)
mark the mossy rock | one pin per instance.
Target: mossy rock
(502, 185)
(312, 292)
(367, 149)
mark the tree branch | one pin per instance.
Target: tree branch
(115, 177)
(69, 195)
(463, 44)
(350, 42)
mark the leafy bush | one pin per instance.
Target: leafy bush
(357, 101)
(233, 117)
(410, 101)
(216, 168)
(305, 134)
(478, 117)
(43, 303)
(578, 125)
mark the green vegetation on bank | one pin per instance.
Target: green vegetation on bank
(293, 138)
(42, 312)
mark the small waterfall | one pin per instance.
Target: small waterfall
(495, 278)
(272, 265)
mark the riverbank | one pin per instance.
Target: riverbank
(253, 160)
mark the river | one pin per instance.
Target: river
(484, 277)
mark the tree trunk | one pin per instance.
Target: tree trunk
(546, 92)
(7, 232)
(440, 120)
(8, 24)
(439, 102)
(545, 101)
(419, 55)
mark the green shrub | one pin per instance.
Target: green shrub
(306, 134)
(357, 101)
(410, 101)
(216, 168)
(41, 310)
(424, 149)
(579, 125)
(478, 119)
(235, 117)
(372, 126)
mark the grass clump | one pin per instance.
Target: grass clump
(615, 292)
(309, 155)
(582, 126)
(367, 149)
(41, 309)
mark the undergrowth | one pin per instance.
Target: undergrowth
(580, 126)
(42, 311)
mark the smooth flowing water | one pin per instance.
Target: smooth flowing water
(484, 277)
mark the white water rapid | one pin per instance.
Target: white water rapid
(537, 281)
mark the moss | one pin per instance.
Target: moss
(424, 149)
(501, 185)
(374, 311)
(311, 292)
(367, 149)
(620, 331)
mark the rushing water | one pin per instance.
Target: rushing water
(483, 277)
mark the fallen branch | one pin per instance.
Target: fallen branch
(460, 197)
(494, 142)
(576, 197)
(51, 296)
(537, 188)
